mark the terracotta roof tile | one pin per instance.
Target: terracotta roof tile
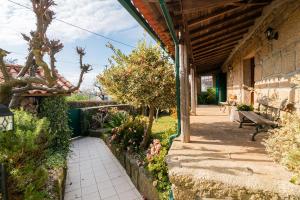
(61, 82)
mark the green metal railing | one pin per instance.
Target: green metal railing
(170, 25)
(132, 10)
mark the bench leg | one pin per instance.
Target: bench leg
(254, 134)
(241, 125)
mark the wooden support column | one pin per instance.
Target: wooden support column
(193, 91)
(184, 93)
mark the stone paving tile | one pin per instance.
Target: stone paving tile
(95, 174)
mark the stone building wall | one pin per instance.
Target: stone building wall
(276, 61)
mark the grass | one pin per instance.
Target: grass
(163, 124)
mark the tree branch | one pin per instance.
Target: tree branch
(3, 68)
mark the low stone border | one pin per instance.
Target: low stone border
(140, 177)
(57, 183)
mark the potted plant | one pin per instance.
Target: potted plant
(242, 107)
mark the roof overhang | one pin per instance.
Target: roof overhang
(212, 28)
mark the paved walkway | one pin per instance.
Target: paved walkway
(95, 174)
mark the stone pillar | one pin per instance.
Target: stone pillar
(193, 92)
(184, 94)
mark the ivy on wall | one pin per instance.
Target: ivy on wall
(55, 109)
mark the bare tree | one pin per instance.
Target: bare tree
(99, 92)
(38, 46)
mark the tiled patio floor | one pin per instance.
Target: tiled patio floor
(95, 174)
(222, 152)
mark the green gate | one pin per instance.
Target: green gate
(75, 121)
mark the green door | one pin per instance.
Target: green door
(221, 87)
(74, 122)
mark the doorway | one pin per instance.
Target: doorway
(248, 80)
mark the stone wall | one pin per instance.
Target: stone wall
(276, 61)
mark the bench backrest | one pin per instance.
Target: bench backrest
(271, 111)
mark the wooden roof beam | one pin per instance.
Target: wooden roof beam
(212, 62)
(248, 4)
(229, 10)
(217, 43)
(202, 60)
(193, 6)
(236, 19)
(203, 55)
(200, 20)
(223, 31)
(219, 38)
(212, 59)
(215, 48)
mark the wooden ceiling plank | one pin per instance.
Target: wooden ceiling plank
(229, 10)
(200, 20)
(193, 6)
(210, 63)
(212, 58)
(224, 30)
(225, 51)
(227, 22)
(202, 60)
(217, 43)
(216, 48)
(219, 38)
(203, 55)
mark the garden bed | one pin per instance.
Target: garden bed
(140, 177)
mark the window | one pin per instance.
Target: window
(206, 82)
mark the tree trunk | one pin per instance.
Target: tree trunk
(157, 114)
(148, 130)
(5, 94)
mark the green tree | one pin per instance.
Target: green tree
(145, 77)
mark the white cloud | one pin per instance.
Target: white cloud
(101, 16)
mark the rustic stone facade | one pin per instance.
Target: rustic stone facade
(276, 61)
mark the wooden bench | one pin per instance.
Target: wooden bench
(264, 118)
(259, 121)
(3, 185)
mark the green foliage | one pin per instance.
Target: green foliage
(283, 144)
(77, 97)
(55, 109)
(145, 77)
(245, 107)
(208, 97)
(24, 151)
(159, 170)
(116, 119)
(157, 165)
(129, 134)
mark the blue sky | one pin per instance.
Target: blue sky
(105, 17)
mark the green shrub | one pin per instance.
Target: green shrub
(283, 144)
(129, 134)
(24, 151)
(116, 119)
(208, 97)
(156, 163)
(245, 107)
(55, 109)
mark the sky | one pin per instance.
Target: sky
(105, 17)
